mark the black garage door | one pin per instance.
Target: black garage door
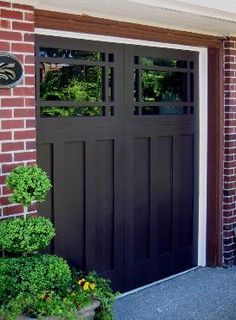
(117, 133)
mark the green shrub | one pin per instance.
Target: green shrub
(102, 291)
(28, 184)
(25, 236)
(33, 275)
(34, 306)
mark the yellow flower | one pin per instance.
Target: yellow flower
(92, 286)
(81, 282)
(86, 285)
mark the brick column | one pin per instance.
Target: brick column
(229, 202)
(17, 105)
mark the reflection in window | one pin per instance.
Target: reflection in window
(55, 111)
(164, 110)
(173, 63)
(136, 85)
(110, 92)
(163, 86)
(71, 54)
(65, 82)
(191, 87)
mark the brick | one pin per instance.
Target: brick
(4, 46)
(12, 146)
(4, 201)
(29, 37)
(23, 156)
(24, 91)
(5, 24)
(30, 59)
(5, 4)
(5, 114)
(16, 209)
(12, 102)
(10, 36)
(229, 44)
(11, 14)
(26, 113)
(5, 157)
(6, 168)
(30, 81)
(22, 47)
(6, 191)
(30, 70)
(12, 124)
(7, 135)
(29, 102)
(23, 26)
(30, 123)
(30, 145)
(22, 7)
(29, 16)
(29, 134)
(2, 180)
(20, 57)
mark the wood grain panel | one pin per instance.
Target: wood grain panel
(141, 198)
(164, 194)
(73, 220)
(88, 24)
(104, 205)
(215, 156)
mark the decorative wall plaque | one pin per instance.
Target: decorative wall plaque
(11, 70)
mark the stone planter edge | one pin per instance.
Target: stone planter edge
(86, 313)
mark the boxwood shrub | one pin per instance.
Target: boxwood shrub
(33, 275)
(25, 236)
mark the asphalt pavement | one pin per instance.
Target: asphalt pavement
(201, 294)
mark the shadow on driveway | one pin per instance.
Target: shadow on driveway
(201, 294)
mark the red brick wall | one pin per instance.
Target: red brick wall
(229, 206)
(17, 105)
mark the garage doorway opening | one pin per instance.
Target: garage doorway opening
(118, 133)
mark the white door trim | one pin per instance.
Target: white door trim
(203, 115)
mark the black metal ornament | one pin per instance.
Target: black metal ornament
(11, 70)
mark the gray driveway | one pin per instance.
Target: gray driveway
(202, 294)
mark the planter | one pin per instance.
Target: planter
(86, 313)
(89, 311)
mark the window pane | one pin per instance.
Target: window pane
(191, 87)
(163, 86)
(173, 63)
(65, 82)
(55, 111)
(160, 110)
(110, 84)
(71, 54)
(136, 85)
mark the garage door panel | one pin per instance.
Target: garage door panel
(104, 204)
(164, 194)
(124, 178)
(141, 198)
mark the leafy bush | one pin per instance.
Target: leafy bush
(101, 291)
(61, 302)
(34, 306)
(25, 236)
(28, 184)
(34, 274)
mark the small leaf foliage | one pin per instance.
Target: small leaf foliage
(28, 184)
